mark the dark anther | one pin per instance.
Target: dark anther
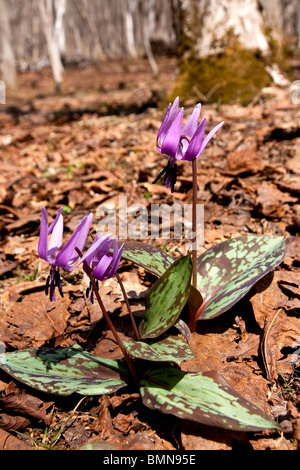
(58, 282)
(47, 285)
(165, 170)
(173, 174)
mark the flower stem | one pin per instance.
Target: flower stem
(136, 332)
(108, 320)
(194, 223)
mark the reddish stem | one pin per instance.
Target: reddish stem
(136, 332)
(194, 222)
(108, 320)
(194, 215)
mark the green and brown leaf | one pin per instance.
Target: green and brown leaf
(227, 271)
(65, 371)
(166, 298)
(169, 349)
(149, 257)
(202, 397)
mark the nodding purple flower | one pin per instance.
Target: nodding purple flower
(179, 143)
(103, 260)
(55, 253)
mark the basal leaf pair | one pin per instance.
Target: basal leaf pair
(225, 272)
(200, 397)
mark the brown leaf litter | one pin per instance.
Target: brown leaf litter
(75, 152)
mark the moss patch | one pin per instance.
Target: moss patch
(236, 75)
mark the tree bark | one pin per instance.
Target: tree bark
(46, 14)
(8, 68)
(59, 27)
(225, 47)
(129, 29)
(208, 24)
(146, 15)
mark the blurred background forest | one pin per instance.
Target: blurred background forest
(60, 33)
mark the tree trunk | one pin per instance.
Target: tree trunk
(46, 13)
(59, 27)
(8, 68)
(209, 23)
(147, 10)
(129, 29)
(224, 48)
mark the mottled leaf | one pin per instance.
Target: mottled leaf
(65, 371)
(149, 257)
(202, 397)
(227, 271)
(166, 298)
(170, 349)
(183, 328)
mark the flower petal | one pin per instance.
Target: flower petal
(209, 136)
(67, 255)
(56, 237)
(174, 109)
(116, 257)
(195, 144)
(97, 244)
(191, 125)
(43, 238)
(50, 229)
(82, 238)
(170, 115)
(171, 141)
(162, 127)
(102, 266)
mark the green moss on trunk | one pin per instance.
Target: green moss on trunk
(236, 75)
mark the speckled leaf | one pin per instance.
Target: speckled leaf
(170, 349)
(65, 371)
(183, 328)
(227, 271)
(166, 298)
(149, 257)
(202, 397)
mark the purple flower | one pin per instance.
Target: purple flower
(179, 143)
(168, 136)
(103, 261)
(55, 253)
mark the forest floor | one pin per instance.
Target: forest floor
(89, 145)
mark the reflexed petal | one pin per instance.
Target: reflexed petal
(56, 237)
(43, 238)
(48, 251)
(50, 229)
(191, 125)
(102, 250)
(170, 115)
(68, 251)
(171, 141)
(82, 238)
(98, 243)
(116, 257)
(101, 267)
(209, 136)
(162, 128)
(196, 143)
(174, 109)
